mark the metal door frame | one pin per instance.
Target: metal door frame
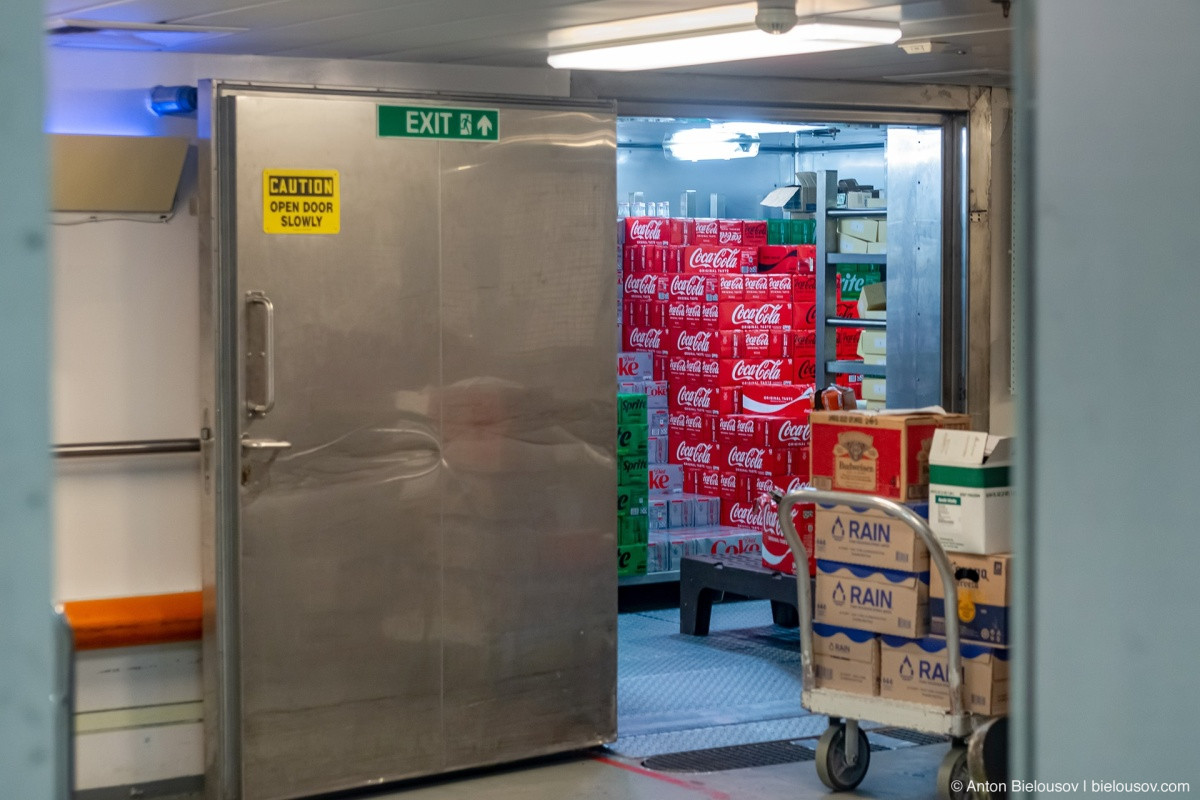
(222, 391)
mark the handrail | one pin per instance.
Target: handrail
(127, 448)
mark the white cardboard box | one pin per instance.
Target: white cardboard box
(970, 491)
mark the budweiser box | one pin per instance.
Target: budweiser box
(635, 366)
(667, 478)
(983, 598)
(633, 529)
(883, 601)
(631, 409)
(777, 553)
(632, 501)
(916, 670)
(631, 559)
(631, 440)
(971, 491)
(882, 453)
(869, 538)
(846, 659)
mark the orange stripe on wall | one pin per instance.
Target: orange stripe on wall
(131, 621)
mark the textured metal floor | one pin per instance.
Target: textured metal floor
(738, 685)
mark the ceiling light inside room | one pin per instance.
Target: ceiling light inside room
(710, 144)
(708, 36)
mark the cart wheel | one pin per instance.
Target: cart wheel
(954, 776)
(831, 759)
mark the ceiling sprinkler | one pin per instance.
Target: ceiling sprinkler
(776, 16)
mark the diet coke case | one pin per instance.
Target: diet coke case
(666, 478)
(658, 421)
(635, 366)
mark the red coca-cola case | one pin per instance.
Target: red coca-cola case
(656, 313)
(703, 231)
(740, 514)
(776, 553)
(803, 344)
(847, 344)
(712, 260)
(693, 315)
(696, 398)
(804, 370)
(727, 488)
(853, 381)
(694, 342)
(804, 316)
(804, 288)
(660, 366)
(633, 313)
(748, 458)
(700, 454)
(735, 429)
(729, 232)
(755, 370)
(696, 426)
(641, 339)
(779, 287)
(708, 482)
(641, 286)
(731, 287)
(692, 288)
(657, 230)
(806, 258)
(757, 289)
(783, 401)
(754, 232)
(778, 258)
(730, 400)
(765, 343)
(777, 431)
(747, 314)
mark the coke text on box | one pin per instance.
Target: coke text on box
(698, 426)
(692, 288)
(756, 289)
(755, 315)
(730, 231)
(735, 429)
(805, 370)
(738, 514)
(696, 342)
(712, 260)
(754, 232)
(642, 286)
(731, 287)
(777, 258)
(695, 454)
(754, 370)
(660, 230)
(644, 339)
(703, 231)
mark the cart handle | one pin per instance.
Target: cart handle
(803, 588)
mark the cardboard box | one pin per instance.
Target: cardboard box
(971, 486)
(882, 232)
(872, 343)
(631, 409)
(631, 560)
(846, 660)
(916, 671)
(850, 244)
(847, 643)
(869, 599)
(872, 297)
(879, 453)
(874, 389)
(633, 530)
(877, 248)
(869, 538)
(873, 405)
(984, 595)
(865, 229)
(878, 360)
(876, 202)
(632, 440)
(632, 501)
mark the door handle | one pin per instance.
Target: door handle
(268, 402)
(265, 444)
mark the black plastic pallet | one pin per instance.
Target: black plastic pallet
(703, 578)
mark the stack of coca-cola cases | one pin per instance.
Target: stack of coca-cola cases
(730, 321)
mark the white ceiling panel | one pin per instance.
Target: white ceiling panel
(514, 32)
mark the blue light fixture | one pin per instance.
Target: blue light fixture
(166, 100)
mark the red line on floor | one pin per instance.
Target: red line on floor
(712, 794)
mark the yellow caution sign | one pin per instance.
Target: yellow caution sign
(301, 201)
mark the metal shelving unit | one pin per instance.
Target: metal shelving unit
(828, 322)
(649, 578)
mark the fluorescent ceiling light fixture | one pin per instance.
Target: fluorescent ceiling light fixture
(712, 47)
(710, 144)
(658, 25)
(758, 128)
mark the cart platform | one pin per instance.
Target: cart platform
(701, 578)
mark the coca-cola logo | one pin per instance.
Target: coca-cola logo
(660, 481)
(724, 259)
(757, 339)
(797, 484)
(810, 318)
(780, 283)
(737, 547)
(756, 283)
(800, 433)
(709, 368)
(707, 226)
(647, 338)
(687, 286)
(710, 480)
(746, 459)
(646, 230)
(700, 397)
(766, 314)
(729, 237)
(698, 453)
(656, 389)
(729, 424)
(746, 515)
(695, 341)
(757, 371)
(729, 480)
(806, 370)
(641, 285)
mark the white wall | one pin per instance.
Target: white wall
(27, 661)
(1104, 687)
(126, 343)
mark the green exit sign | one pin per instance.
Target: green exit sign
(424, 122)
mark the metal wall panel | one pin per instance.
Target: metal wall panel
(915, 263)
(425, 579)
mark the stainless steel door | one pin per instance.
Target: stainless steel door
(410, 568)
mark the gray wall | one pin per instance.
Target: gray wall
(1107, 412)
(27, 742)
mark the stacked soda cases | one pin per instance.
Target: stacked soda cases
(724, 315)
(872, 597)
